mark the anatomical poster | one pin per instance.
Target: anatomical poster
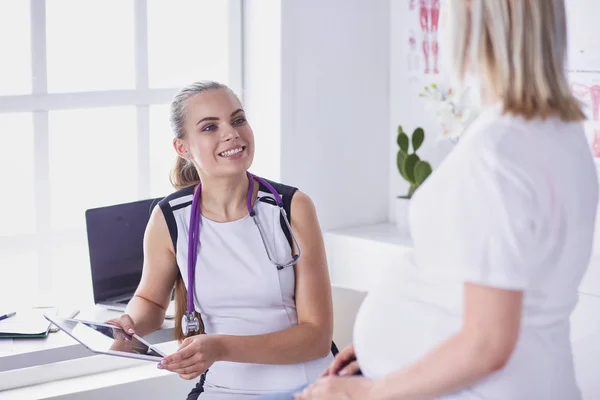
(584, 63)
(423, 47)
(586, 87)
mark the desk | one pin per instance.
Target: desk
(25, 353)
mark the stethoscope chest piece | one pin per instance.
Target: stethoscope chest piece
(189, 323)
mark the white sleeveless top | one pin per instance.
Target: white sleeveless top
(238, 291)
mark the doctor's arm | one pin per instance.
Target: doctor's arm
(145, 312)
(484, 345)
(308, 340)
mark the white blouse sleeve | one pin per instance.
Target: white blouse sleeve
(495, 227)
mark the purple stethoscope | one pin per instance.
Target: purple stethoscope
(189, 321)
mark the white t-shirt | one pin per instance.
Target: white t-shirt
(512, 206)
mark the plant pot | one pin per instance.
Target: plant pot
(402, 204)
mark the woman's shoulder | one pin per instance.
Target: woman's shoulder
(506, 135)
(281, 188)
(493, 128)
(509, 149)
(178, 198)
(294, 200)
(286, 192)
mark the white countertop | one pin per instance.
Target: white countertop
(58, 346)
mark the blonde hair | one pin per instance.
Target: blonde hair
(518, 48)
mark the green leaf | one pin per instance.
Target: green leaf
(408, 167)
(422, 171)
(418, 137)
(402, 141)
(400, 160)
(411, 190)
(434, 86)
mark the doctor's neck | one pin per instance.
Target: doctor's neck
(224, 198)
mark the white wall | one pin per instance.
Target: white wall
(329, 116)
(335, 84)
(262, 82)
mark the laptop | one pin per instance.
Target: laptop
(115, 237)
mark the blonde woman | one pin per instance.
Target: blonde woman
(502, 233)
(246, 256)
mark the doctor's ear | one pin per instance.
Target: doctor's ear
(180, 147)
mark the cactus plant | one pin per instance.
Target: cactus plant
(411, 167)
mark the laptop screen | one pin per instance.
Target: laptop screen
(115, 237)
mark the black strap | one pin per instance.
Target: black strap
(168, 211)
(198, 389)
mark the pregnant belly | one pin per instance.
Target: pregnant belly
(393, 330)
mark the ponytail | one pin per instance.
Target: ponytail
(184, 174)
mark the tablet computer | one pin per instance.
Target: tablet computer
(107, 339)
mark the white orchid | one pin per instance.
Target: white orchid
(450, 108)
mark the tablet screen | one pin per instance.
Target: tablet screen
(103, 338)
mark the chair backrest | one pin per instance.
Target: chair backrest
(346, 302)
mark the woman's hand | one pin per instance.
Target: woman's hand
(195, 355)
(122, 333)
(343, 364)
(124, 322)
(336, 388)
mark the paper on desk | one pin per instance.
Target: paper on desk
(27, 322)
(6, 347)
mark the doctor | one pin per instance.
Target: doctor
(502, 231)
(256, 284)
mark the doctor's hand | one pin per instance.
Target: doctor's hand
(337, 388)
(344, 363)
(125, 322)
(195, 355)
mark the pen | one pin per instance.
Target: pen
(10, 314)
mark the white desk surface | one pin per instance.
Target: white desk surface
(58, 346)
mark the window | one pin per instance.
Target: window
(17, 212)
(100, 169)
(84, 55)
(84, 93)
(15, 47)
(162, 153)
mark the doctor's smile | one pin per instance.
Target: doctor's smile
(233, 153)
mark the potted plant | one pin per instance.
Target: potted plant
(414, 170)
